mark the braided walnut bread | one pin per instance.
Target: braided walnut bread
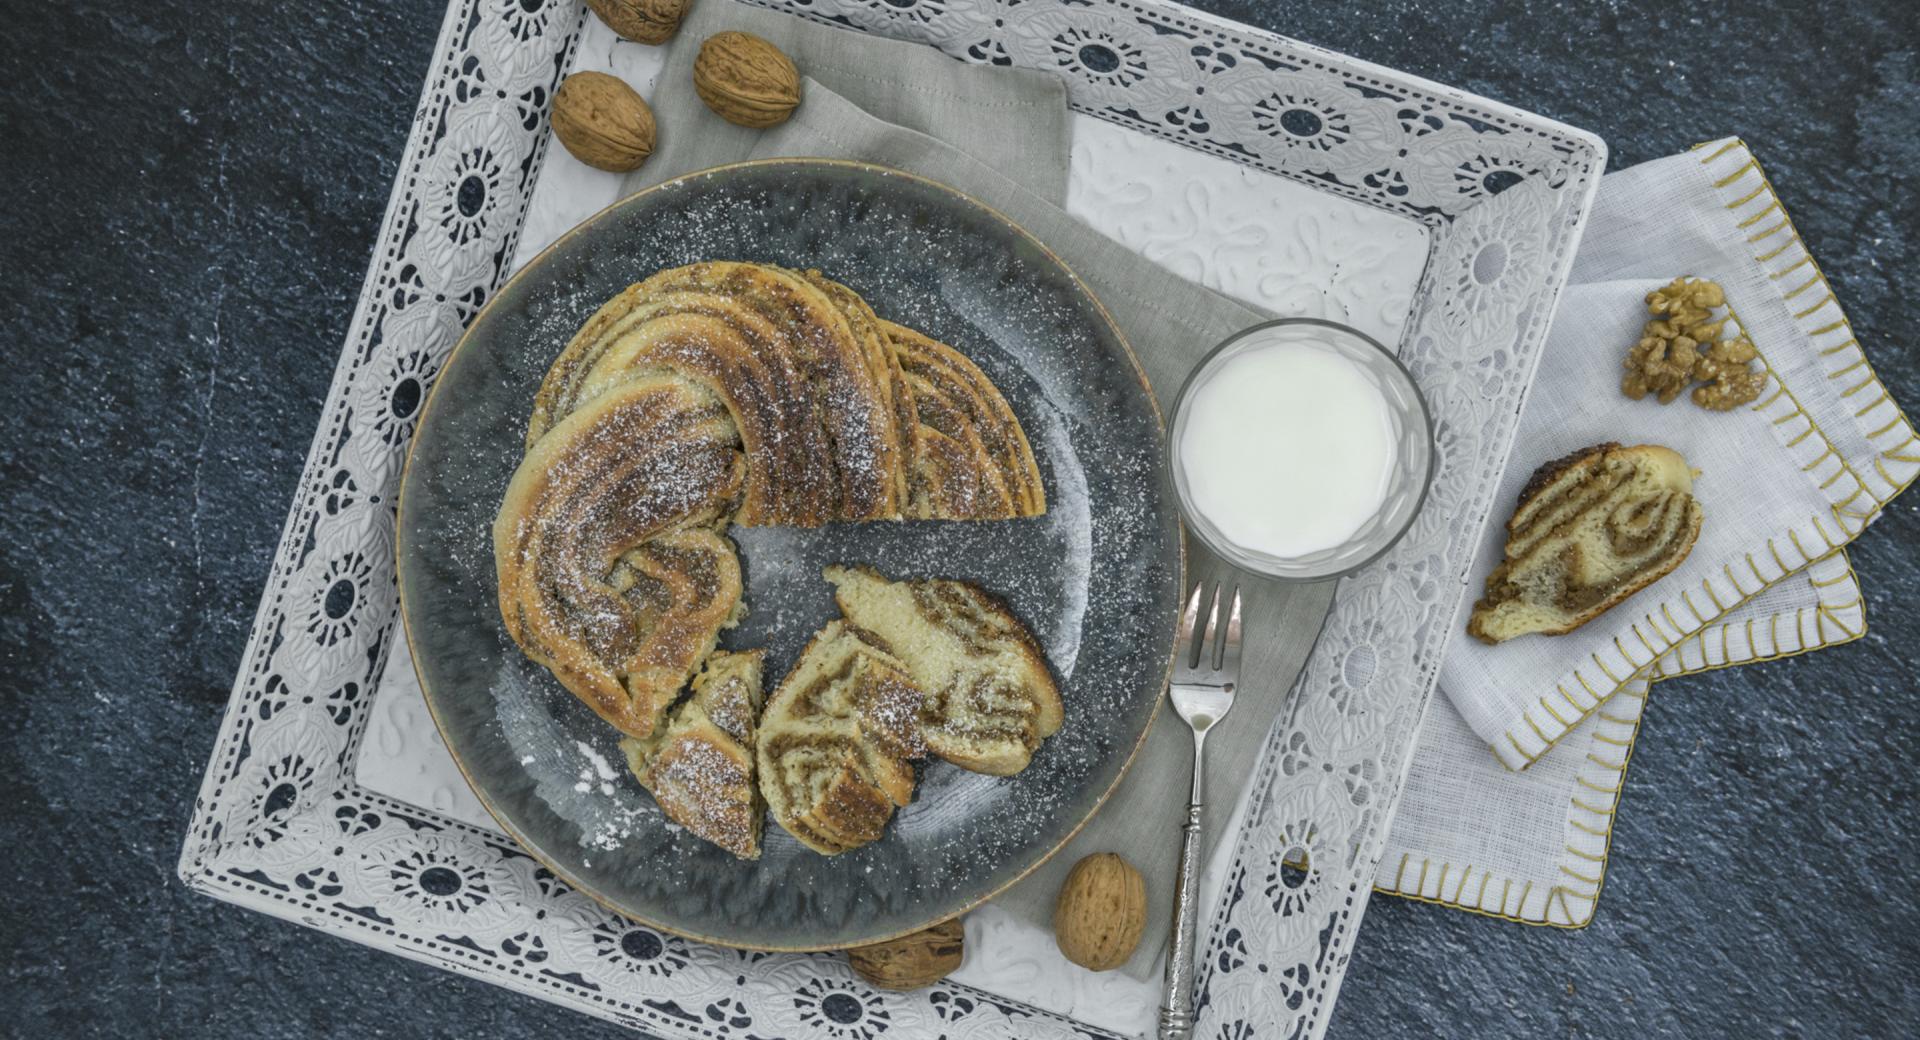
(726, 393)
(722, 393)
(611, 571)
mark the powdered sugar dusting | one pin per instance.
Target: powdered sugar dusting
(600, 766)
(597, 767)
(1088, 578)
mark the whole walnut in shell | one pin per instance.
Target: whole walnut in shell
(1101, 912)
(603, 122)
(643, 21)
(912, 961)
(746, 80)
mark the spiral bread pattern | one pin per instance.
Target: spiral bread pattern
(837, 740)
(989, 700)
(1591, 530)
(734, 393)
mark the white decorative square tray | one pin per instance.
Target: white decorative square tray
(1298, 180)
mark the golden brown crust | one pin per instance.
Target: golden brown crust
(971, 458)
(880, 381)
(777, 351)
(1552, 470)
(615, 587)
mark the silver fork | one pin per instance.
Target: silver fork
(1205, 673)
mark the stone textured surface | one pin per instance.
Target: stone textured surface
(193, 195)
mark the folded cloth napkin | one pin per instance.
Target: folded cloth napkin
(1780, 483)
(899, 105)
(1532, 845)
(1801, 471)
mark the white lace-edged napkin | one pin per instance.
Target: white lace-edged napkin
(1783, 482)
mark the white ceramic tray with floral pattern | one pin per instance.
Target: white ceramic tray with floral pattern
(1299, 180)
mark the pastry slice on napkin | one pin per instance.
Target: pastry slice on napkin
(1591, 529)
(1472, 830)
(1769, 492)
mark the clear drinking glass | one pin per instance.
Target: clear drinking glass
(1412, 431)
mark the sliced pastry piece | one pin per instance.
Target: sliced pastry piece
(1591, 530)
(729, 688)
(611, 571)
(836, 740)
(990, 699)
(699, 765)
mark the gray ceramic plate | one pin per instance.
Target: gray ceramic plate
(1096, 578)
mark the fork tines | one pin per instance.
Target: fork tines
(1198, 663)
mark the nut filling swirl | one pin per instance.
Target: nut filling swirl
(1591, 530)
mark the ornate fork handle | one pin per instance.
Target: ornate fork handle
(1202, 694)
(1176, 1001)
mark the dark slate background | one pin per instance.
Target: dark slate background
(192, 192)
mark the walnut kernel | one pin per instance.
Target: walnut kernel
(1681, 344)
(1728, 382)
(1659, 366)
(1686, 300)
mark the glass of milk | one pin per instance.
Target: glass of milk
(1301, 449)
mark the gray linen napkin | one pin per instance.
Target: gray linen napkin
(1014, 120)
(1001, 136)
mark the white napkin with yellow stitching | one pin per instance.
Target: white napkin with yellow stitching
(1777, 489)
(1532, 845)
(1822, 450)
